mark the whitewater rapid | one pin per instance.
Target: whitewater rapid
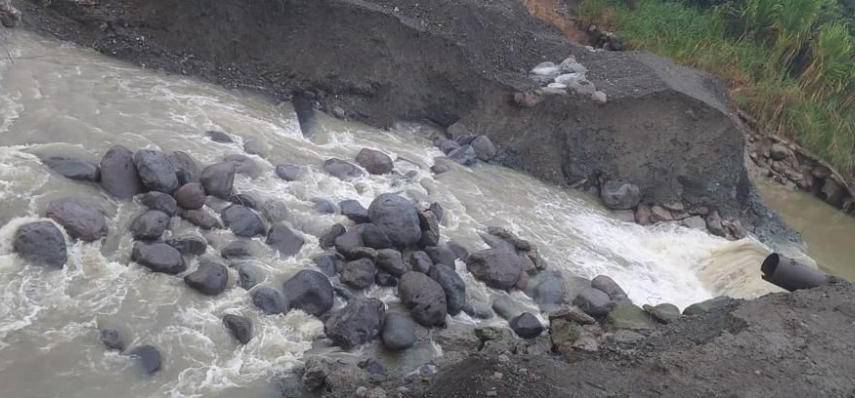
(59, 99)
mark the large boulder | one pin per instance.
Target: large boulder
(392, 262)
(156, 171)
(399, 332)
(186, 169)
(526, 326)
(424, 297)
(397, 217)
(349, 240)
(374, 161)
(610, 287)
(240, 327)
(498, 268)
(79, 219)
(149, 225)
(342, 169)
(618, 195)
(441, 254)
(374, 237)
(309, 291)
(269, 300)
(189, 244)
(452, 284)
(429, 225)
(356, 324)
(210, 278)
(419, 261)
(74, 169)
(354, 210)
(41, 243)
(327, 239)
(594, 302)
(158, 257)
(218, 179)
(243, 221)
(159, 201)
(484, 148)
(284, 240)
(359, 274)
(191, 196)
(119, 173)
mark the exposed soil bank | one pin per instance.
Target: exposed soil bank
(664, 128)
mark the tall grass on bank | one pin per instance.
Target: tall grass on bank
(789, 63)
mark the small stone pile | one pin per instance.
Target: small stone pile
(463, 147)
(568, 76)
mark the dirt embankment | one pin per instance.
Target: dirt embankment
(664, 128)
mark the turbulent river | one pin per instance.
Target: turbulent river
(57, 99)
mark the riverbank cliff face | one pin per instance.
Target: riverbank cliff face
(462, 64)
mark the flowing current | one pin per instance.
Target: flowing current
(57, 99)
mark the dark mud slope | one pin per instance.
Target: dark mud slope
(664, 128)
(780, 345)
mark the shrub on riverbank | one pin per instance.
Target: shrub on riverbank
(789, 63)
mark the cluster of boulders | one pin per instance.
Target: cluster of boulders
(567, 76)
(463, 147)
(789, 165)
(625, 200)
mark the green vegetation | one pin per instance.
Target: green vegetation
(789, 63)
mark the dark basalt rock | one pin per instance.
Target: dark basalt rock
(149, 225)
(397, 217)
(484, 148)
(446, 145)
(374, 161)
(243, 221)
(356, 324)
(156, 172)
(342, 169)
(399, 332)
(290, 172)
(453, 285)
(498, 268)
(112, 339)
(430, 229)
(249, 275)
(79, 219)
(353, 210)
(328, 264)
(158, 257)
(385, 279)
(391, 261)
(526, 326)
(419, 261)
(284, 240)
(424, 297)
(186, 169)
(359, 274)
(464, 155)
(309, 291)
(189, 245)
(269, 300)
(159, 201)
(374, 237)
(324, 206)
(219, 136)
(210, 278)
(41, 243)
(148, 358)
(349, 240)
(441, 254)
(191, 196)
(119, 173)
(609, 286)
(327, 240)
(617, 195)
(244, 165)
(245, 200)
(201, 218)
(74, 169)
(218, 179)
(240, 327)
(241, 248)
(594, 302)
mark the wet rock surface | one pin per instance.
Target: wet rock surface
(74, 169)
(240, 327)
(397, 217)
(309, 291)
(210, 278)
(399, 332)
(41, 243)
(80, 220)
(357, 323)
(119, 173)
(158, 257)
(156, 171)
(149, 225)
(424, 297)
(159, 201)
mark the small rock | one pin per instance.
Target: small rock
(484, 148)
(186, 169)
(375, 162)
(289, 172)
(629, 316)
(499, 269)
(244, 165)
(149, 225)
(74, 169)
(286, 241)
(112, 339)
(201, 218)
(191, 196)
(256, 146)
(324, 206)
(714, 224)
(158, 257)
(419, 261)
(327, 240)
(353, 210)
(249, 275)
(245, 200)
(79, 219)
(119, 173)
(159, 201)
(779, 152)
(593, 302)
(210, 278)
(218, 179)
(242, 221)
(269, 300)
(664, 313)
(429, 225)
(391, 261)
(240, 327)
(399, 332)
(441, 254)
(695, 222)
(424, 297)
(155, 170)
(446, 145)
(359, 274)
(573, 314)
(464, 155)
(453, 285)
(660, 214)
(309, 291)
(219, 136)
(356, 324)
(343, 170)
(328, 264)
(148, 357)
(617, 195)
(189, 245)
(397, 217)
(41, 243)
(643, 214)
(609, 286)
(385, 279)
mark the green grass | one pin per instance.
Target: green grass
(788, 63)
